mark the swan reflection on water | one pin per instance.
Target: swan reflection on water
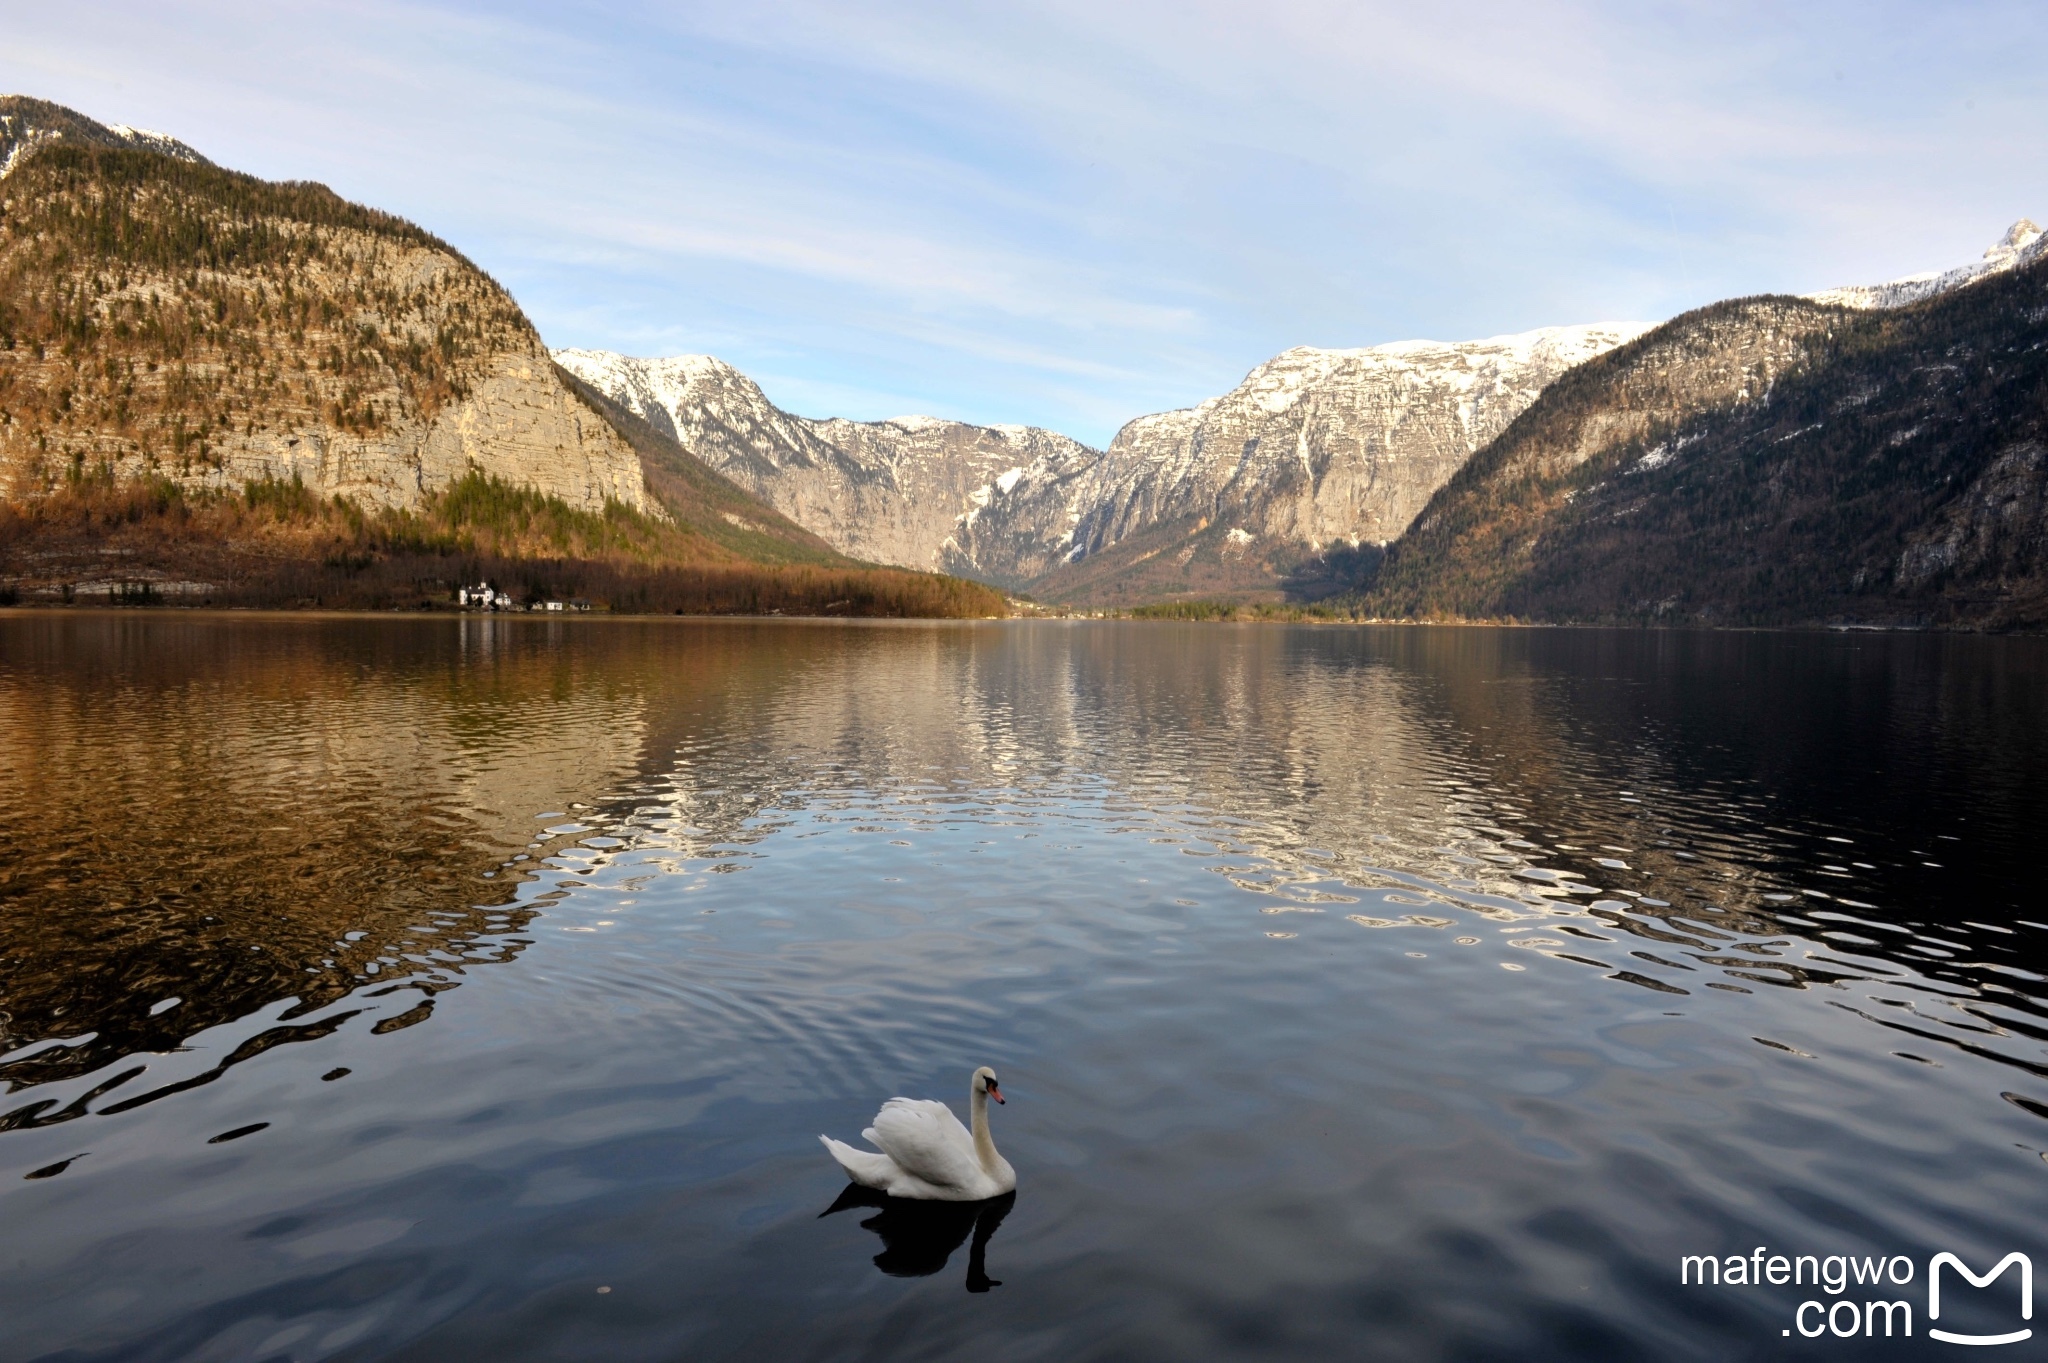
(919, 1237)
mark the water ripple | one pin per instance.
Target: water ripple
(1440, 985)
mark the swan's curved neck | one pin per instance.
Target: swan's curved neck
(984, 1144)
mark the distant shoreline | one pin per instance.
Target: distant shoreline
(453, 613)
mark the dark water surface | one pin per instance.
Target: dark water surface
(477, 989)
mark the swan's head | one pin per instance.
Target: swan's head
(985, 1082)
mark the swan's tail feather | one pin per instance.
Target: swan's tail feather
(864, 1167)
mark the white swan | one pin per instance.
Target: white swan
(927, 1154)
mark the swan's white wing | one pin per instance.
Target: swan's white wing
(864, 1167)
(927, 1141)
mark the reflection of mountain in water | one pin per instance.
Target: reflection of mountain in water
(207, 817)
(1523, 784)
(234, 814)
(919, 1237)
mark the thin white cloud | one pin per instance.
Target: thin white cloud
(1074, 212)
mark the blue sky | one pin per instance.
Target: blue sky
(1071, 214)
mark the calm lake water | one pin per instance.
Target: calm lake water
(477, 989)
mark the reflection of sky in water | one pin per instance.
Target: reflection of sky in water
(1441, 984)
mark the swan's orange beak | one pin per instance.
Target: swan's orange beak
(995, 1093)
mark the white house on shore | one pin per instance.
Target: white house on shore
(484, 596)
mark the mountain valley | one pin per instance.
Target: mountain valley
(1336, 475)
(888, 491)
(205, 376)
(1315, 450)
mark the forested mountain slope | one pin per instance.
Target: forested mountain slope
(26, 124)
(217, 388)
(702, 501)
(1768, 460)
(166, 317)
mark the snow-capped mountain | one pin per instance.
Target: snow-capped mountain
(887, 491)
(26, 124)
(2022, 244)
(1314, 448)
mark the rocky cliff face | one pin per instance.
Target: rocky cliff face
(1316, 448)
(885, 491)
(160, 316)
(514, 421)
(1995, 532)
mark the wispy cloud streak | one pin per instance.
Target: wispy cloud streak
(1075, 212)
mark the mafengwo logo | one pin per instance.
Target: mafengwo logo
(1886, 1314)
